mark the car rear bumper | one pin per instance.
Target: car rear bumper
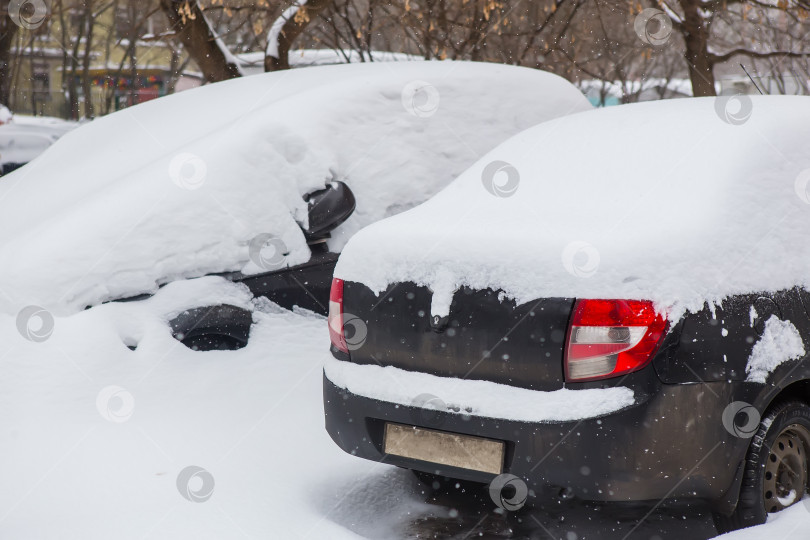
(672, 445)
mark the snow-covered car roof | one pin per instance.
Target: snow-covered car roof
(20, 143)
(680, 202)
(178, 186)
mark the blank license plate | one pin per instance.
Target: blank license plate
(451, 449)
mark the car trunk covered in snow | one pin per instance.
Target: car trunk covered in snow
(497, 341)
(179, 186)
(662, 201)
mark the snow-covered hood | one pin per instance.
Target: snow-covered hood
(178, 186)
(679, 202)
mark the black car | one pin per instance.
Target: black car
(717, 402)
(305, 285)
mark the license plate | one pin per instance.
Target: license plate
(451, 449)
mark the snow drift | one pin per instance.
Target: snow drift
(177, 187)
(668, 201)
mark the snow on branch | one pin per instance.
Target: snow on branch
(278, 25)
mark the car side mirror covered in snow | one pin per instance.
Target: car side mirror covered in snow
(328, 208)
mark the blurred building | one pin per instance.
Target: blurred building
(128, 60)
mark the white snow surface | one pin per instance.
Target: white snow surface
(792, 523)
(663, 201)
(780, 342)
(5, 115)
(252, 63)
(95, 435)
(178, 186)
(21, 142)
(476, 398)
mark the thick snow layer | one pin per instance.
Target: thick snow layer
(95, 436)
(779, 343)
(680, 202)
(789, 524)
(252, 63)
(5, 115)
(20, 142)
(476, 398)
(178, 186)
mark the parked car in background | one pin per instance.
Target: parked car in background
(221, 180)
(22, 142)
(628, 328)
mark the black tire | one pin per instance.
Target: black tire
(777, 459)
(213, 328)
(213, 342)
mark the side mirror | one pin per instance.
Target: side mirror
(328, 208)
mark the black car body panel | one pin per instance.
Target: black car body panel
(305, 285)
(484, 337)
(714, 344)
(666, 446)
(671, 443)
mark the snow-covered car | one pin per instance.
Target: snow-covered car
(216, 180)
(20, 143)
(628, 327)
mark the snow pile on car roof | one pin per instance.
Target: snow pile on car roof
(680, 202)
(178, 186)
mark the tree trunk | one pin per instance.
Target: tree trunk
(695, 35)
(286, 29)
(72, 73)
(87, 87)
(8, 31)
(188, 20)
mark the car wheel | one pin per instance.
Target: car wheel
(212, 342)
(776, 467)
(213, 328)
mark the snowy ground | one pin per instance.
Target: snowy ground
(96, 437)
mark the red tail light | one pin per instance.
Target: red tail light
(608, 338)
(336, 316)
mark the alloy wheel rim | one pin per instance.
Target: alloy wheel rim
(786, 469)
